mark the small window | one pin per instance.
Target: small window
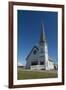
(34, 63)
(34, 52)
(41, 62)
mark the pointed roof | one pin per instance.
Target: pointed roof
(35, 47)
(42, 34)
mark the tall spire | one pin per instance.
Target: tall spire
(42, 34)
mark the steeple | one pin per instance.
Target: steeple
(42, 34)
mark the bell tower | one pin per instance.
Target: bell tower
(43, 49)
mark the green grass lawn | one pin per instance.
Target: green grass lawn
(27, 74)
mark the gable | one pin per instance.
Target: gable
(33, 51)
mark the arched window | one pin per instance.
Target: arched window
(34, 52)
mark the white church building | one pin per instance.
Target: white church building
(38, 58)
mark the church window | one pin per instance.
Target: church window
(34, 52)
(34, 63)
(41, 62)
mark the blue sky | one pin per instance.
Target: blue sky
(29, 27)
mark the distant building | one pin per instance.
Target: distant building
(38, 57)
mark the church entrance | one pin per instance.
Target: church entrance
(34, 63)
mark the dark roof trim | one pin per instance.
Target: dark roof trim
(31, 51)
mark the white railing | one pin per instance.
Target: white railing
(37, 67)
